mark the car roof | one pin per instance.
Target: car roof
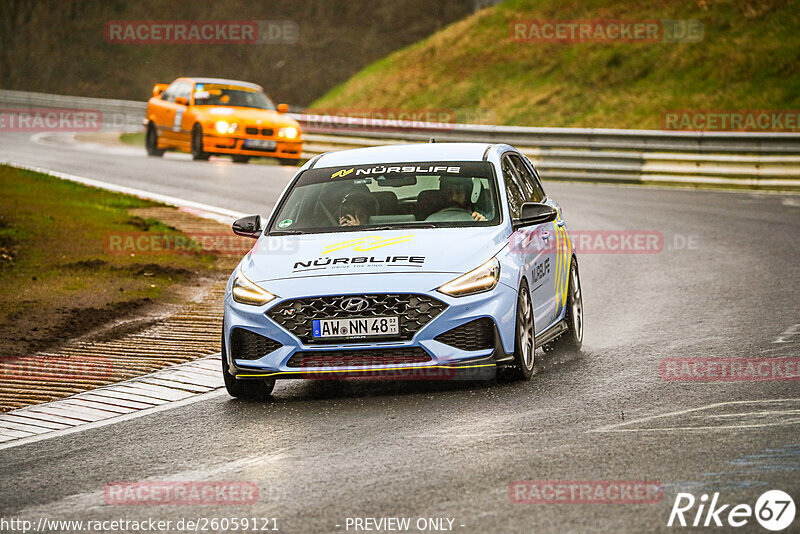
(404, 153)
(226, 81)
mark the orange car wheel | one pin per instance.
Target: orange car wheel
(151, 141)
(197, 144)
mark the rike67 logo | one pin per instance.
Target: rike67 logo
(774, 510)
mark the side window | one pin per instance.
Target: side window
(533, 192)
(515, 195)
(537, 181)
(184, 90)
(171, 92)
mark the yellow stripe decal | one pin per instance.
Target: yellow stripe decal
(567, 260)
(558, 268)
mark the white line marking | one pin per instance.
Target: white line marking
(77, 406)
(617, 427)
(114, 420)
(789, 335)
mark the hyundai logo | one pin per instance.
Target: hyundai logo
(354, 304)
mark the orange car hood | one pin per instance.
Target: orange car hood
(248, 115)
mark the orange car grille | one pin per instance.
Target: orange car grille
(262, 131)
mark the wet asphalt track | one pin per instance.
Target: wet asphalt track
(725, 285)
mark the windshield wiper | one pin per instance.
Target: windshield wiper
(286, 232)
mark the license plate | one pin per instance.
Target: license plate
(356, 327)
(260, 144)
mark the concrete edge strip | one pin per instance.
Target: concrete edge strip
(205, 211)
(12, 423)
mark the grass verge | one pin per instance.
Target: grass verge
(58, 278)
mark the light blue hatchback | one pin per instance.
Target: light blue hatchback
(417, 261)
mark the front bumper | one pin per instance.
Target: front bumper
(443, 360)
(233, 144)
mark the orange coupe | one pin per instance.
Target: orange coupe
(210, 116)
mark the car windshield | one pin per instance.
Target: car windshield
(230, 95)
(427, 194)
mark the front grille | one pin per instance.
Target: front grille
(413, 311)
(246, 345)
(474, 335)
(263, 131)
(359, 358)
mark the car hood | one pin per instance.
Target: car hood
(249, 115)
(428, 250)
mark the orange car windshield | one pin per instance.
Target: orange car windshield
(229, 96)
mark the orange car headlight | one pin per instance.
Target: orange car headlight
(224, 127)
(290, 132)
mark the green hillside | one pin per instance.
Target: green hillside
(749, 58)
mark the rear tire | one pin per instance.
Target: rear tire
(524, 340)
(288, 161)
(253, 389)
(197, 144)
(238, 158)
(572, 339)
(151, 142)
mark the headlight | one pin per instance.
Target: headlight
(289, 133)
(484, 278)
(246, 292)
(224, 127)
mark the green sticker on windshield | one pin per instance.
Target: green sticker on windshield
(285, 223)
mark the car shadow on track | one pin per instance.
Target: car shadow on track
(290, 391)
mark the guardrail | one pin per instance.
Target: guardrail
(739, 159)
(116, 114)
(742, 159)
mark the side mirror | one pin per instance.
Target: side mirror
(182, 100)
(535, 213)
(249, 226)
(159, 88)
(283, 108)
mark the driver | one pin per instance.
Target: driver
(356, 209)
(457, 205)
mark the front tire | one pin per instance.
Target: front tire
(253, 389)
(572, 339)
(288, 161)
(151, 142)
(238, 158)
(524, 339)
(198, 154)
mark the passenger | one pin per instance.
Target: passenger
(356, 209)
(456, 193)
